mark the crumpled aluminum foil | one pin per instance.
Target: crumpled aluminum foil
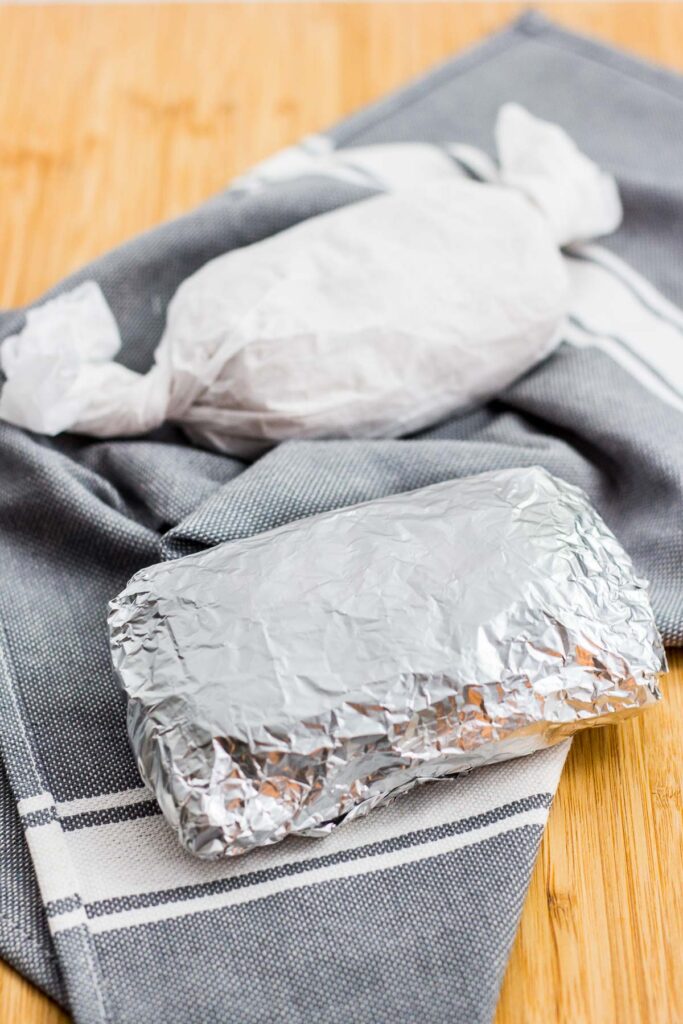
(298, 678)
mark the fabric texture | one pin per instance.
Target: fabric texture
(411, 912)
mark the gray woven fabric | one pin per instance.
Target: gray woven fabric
(411, 913)
(24, 936)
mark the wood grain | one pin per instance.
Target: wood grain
(114, 118)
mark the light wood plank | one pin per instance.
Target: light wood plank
(114, 118)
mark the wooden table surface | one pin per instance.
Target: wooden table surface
(114, 118)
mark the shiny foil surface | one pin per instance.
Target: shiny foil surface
(292, 680)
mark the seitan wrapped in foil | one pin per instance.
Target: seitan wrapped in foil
(295, 679)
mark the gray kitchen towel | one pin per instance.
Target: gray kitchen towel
(410, 913)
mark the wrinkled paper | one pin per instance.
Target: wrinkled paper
(295, 679)
(373, 320)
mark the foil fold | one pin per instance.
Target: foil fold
(295, 679)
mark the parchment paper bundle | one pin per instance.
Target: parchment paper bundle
(374, 320)
(297, 678)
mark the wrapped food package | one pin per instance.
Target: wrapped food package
(373, 320)
(289, 681)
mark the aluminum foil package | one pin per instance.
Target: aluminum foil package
(298, 678)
